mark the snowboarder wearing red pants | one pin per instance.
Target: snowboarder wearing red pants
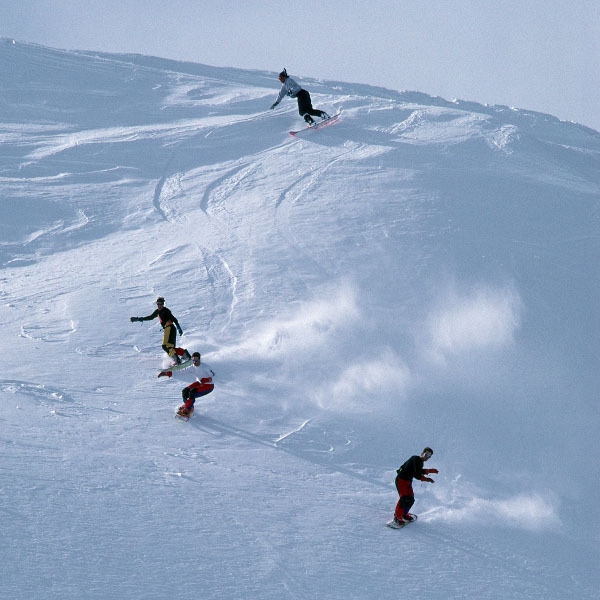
(411, 469)
(202, 385)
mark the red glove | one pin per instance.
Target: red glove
(430, 471)
(427, 479)
(165, 374)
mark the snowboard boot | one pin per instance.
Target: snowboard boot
(396, 523)
(324, 116)
(185, 412)
(309, 119)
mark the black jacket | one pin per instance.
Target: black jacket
(412, 469)
(165, 316)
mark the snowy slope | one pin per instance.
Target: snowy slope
(423, 272)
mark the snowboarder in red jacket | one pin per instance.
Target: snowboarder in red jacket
(411, 469)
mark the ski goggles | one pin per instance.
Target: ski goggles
(427, 454)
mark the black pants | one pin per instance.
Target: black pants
(305, 106)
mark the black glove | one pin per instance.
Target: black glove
(180, 330)
(134, 319)
(274, 105)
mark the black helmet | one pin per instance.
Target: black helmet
(160, 300)
(283, 74)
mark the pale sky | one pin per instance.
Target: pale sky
(542, 55)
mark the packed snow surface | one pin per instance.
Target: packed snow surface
(422, 272)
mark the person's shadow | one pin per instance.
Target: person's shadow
(322, 458)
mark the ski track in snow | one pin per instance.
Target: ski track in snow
(168, 254)
(35, 391)
(234, 299)
(222, 283)
(285, 435)
(220, 189)
(159, 196)
(300, 187)
(53, 333)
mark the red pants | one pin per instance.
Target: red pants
(195, 390)
(407, 497)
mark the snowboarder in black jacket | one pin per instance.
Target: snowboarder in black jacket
(411, 469)
(169, 324)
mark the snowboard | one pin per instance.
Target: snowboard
(183, 417)
(318, 125)
(179, 367)
(393, 525)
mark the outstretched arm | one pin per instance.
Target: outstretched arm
(426, 472)
(282, 93)
(148, 318)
